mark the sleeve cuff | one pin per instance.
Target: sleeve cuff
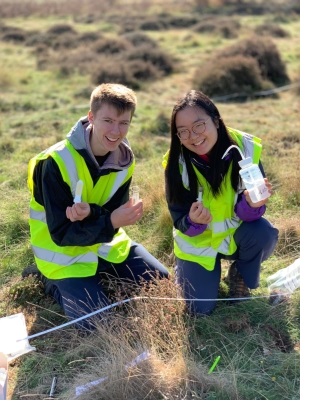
(247, 213)
(194, 229)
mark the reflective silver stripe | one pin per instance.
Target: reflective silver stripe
(118, 182)
(62, 259)
(232, 223)
(71, 167)
(104, 250)
(224, 246)
(190, 249)
(248, 144)
(55, 147)
(38, 215)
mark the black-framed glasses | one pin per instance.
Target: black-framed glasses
(198, 128)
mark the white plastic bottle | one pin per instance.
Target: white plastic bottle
(253, 180)
(252, 177)
(284, 282)
(287, 279)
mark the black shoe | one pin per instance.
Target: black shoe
(31, 270)
(237, 286)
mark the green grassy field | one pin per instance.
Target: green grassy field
(45, 87)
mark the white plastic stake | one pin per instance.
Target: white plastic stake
(82, 388)
(78, 192)
(53, 386)
(200, 194)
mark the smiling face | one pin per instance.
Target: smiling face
(189, 119)
(109, 128)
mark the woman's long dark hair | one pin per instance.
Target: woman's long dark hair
(219, 166)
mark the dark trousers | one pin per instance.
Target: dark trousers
(255, 242)
(82, 295)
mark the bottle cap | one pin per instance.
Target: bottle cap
(245, 162)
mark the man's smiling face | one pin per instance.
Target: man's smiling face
(109, 128)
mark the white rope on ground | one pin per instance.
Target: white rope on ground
(74, 321)
(261, 93)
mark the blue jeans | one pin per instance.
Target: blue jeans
(255, 242)
(79, 296)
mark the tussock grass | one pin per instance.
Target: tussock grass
(153, 326)
(150, 349)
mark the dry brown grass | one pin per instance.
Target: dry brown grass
(151, 325)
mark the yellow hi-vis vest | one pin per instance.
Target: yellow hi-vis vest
(218, 237)
(57, 262)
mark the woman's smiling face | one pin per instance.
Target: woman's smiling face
(192, 119)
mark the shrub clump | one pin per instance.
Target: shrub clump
(244, 68)
(153, 25)
(265, 52)
(131, 73)
(65, 39)
(61, 29)
(229, 75)
(89, 37)
(182, 21)
(158, 58)
(271, 29)
(112, 45)
(227, 28)
(138, 38)
(15, 35)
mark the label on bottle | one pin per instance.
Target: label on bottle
(254, 183)
(258, 193)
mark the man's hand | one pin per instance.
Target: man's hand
(127, 214)
(78, 211)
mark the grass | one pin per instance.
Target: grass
(258, 344)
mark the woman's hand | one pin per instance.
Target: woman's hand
(127, 214)
(78, 211)
(199, 214)
(262, 202)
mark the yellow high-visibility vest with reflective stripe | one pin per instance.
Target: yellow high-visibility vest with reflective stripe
(57, 262)
(218, 237)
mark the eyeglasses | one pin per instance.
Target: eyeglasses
(198, 128)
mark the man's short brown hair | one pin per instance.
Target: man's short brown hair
(117, 95)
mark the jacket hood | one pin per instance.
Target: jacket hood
(79, 137)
